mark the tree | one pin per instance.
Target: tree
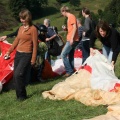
(75, 3)
(33, 5)
(16, 6)
(112, 11)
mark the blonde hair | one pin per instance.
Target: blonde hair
(64, 9)
(25, 14)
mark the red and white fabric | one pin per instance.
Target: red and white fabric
(6, 66)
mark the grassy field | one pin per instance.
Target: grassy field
(37, 108)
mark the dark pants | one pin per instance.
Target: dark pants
(85, 50)
(21, 67)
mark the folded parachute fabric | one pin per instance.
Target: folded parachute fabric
(6, 66)
(91, 84)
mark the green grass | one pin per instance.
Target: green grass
(94, 5)
(37, 108)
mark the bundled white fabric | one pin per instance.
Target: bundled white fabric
(58, 66)
(103, 76)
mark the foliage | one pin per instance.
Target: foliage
(75, 3)
(33, 5)
(112, 11)
(5, 19)
(59, 1)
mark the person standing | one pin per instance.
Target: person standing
(49, 38)
(71, 42)
(25, 44)
(80, 31)
(110, 39)
(53, 41)
(87, 29)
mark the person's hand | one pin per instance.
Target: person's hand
(71, 42)
(32, 63)
(92, 52)
(7, 56)
(47, 39)
(64, 27)
(3, 38)
(83, 33)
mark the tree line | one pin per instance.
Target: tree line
(111, 13)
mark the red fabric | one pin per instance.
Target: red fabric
(116, 88)
(86, 67)
(6, 66)
(78, 54)
(47, 71)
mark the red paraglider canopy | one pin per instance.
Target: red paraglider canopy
(6, 66)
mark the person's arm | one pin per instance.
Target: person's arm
(51, 38)
(73, 33)
(51, 34)
(14, 45)
(35, 45)
(9, 35)
(13, 34)
(115, 45)
(92, 42)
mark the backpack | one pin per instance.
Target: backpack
(54, 28)
(55, 46)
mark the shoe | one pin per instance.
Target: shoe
(21, 98)
(67, 75)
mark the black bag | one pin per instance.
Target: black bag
(53, 48)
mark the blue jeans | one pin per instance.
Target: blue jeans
(85, 50)
(107, 52)
(68, 56)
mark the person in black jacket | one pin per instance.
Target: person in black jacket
(9, 35)
(110, 38)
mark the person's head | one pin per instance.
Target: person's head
(64, 10)
(85, 11)
(79, 22)
(102, 29)
(42, 32)
(47, 22)
(25, 17)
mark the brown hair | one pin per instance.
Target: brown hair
(104, 26)
(86, 10)
(25, 14)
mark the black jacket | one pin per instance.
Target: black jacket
(112, 41)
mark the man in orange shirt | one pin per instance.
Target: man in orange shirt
(71, 42)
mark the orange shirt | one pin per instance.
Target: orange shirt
(26, 41)
(72, 20)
